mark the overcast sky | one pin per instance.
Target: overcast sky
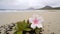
(25, 4)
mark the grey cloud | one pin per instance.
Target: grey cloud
(25, 4)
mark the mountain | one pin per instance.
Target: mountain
(49, 8)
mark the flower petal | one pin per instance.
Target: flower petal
(39, 26)
(31, 20)
(33, 26)
(36, 21)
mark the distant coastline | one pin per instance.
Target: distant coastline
(44, 8)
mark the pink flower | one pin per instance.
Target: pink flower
(36, 21)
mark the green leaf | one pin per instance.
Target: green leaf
(24, 25)
(27, 29)
(15, 32)
(37, 31)
(19, 26)
(18, 32)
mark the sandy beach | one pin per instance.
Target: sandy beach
(51, 19)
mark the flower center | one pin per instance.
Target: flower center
(36, 21)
